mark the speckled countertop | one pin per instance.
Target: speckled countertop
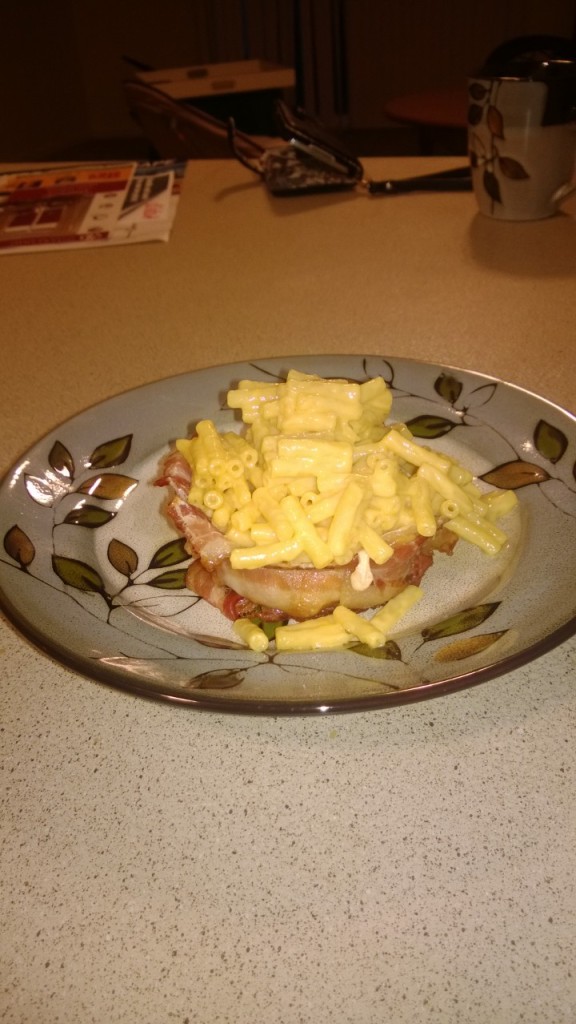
(411, 865)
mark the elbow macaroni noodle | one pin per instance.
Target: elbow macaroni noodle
(320, 479)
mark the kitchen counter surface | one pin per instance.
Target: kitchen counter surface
(409, 865)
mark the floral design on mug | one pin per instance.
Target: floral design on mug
(483, 107)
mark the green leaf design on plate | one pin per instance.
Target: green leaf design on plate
(111, 453)
(430, 426)
(485, 392)
(61, 461)
(218, 681)
(388, 652)
(109, 485)
(461, 622)
(170, 554)
(122, 557)
(18, 546)
(78, 575)
(45, 490)
(549, 441)
(89, 516)
(467, 647)
(174, 579)
(512, 475)
(448, 387)
(217, 642)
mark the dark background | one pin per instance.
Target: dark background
(61, 64)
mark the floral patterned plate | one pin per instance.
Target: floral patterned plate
(93, 573)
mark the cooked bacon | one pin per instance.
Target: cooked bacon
(177, 474)
(203, 539)
(275, 593)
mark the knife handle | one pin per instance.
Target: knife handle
(456, 179)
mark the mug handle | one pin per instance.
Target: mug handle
(563, 192)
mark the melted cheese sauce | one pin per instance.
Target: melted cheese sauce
(362, 576)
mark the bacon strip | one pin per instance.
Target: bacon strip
(203, 539)
(177, 474)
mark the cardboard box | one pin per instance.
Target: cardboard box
(201, 81)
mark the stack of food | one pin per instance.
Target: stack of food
(319, 511)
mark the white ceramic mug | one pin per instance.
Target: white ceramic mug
(522, 142)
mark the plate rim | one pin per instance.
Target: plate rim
(96, 672)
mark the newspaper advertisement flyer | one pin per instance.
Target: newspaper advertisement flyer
(87, 205)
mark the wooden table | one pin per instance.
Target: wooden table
(433, 112)
(414, 865)
(439, 108)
